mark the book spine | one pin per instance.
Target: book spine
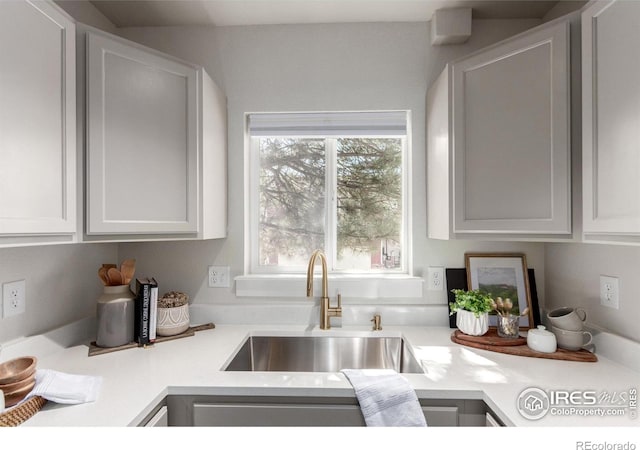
(144, 335)
(143, 300)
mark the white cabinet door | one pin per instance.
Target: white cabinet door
(37, 121)
(499, 140)
(142, 146)
(611, 119)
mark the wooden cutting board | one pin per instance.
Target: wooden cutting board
(491, 342)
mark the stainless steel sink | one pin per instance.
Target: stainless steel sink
(323, 354)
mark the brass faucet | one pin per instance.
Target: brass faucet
(326, 311)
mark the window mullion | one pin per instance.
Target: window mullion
(405, 230)
(254, 204)
(331, 203)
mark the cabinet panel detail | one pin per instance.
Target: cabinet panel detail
(507, 117)
(37, 120)
(611, 108)
(241, 410)
(498, 141)
(276, 415)
(511, 136)
(142, 141)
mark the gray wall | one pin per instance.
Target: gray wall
(62, 284)
(315, 67)
(573, 279)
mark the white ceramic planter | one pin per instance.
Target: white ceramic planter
(172, 321)
(468, 323)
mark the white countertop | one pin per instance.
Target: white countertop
(135, 380)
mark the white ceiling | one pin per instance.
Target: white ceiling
(126, 13)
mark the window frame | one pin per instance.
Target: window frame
(253, 186)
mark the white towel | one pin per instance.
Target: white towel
(65, 388)
(386, 398)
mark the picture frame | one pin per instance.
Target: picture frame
(456, 278)
(502, 275)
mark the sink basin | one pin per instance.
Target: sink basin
(323, 354)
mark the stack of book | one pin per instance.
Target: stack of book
(146, 306)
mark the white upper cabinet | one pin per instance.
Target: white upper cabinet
(611, 121)
(155, 145)
(498, 141)
(37, 124)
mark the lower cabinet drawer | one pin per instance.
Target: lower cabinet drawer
(441, 416)
(305, 411)
(228, 415)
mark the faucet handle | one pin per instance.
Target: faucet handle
(376, 322)
(339, 301)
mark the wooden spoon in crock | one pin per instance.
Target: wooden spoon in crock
(102, 273)
(128, 269)
(115, 277)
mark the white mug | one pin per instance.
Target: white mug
(572, 340)
(571, 319)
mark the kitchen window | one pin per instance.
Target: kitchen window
(332, 180)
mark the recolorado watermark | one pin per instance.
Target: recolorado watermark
(534, 403)
(590, 445)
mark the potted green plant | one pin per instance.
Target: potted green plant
(472, 311)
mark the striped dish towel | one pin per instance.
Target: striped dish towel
(386, 398)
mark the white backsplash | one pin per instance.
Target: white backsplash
(615, 348)
(308, 313)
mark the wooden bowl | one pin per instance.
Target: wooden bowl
(10, 388)
(17, 396)
(17, 369)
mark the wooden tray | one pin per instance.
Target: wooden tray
(489, 344)
(95, 350)
(490, 338)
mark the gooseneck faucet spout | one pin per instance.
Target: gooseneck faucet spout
(312, 263)
(326, 311)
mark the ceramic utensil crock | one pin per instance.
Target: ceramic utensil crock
(115, 316)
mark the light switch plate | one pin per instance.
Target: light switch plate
(609, 291)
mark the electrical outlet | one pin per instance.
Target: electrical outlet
(609, 291)
(14, 298)
(218, 276)
(435, 278)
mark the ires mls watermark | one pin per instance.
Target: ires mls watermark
(534, 403)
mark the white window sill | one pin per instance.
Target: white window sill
(349, 286)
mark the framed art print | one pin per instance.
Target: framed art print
(502, 275)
